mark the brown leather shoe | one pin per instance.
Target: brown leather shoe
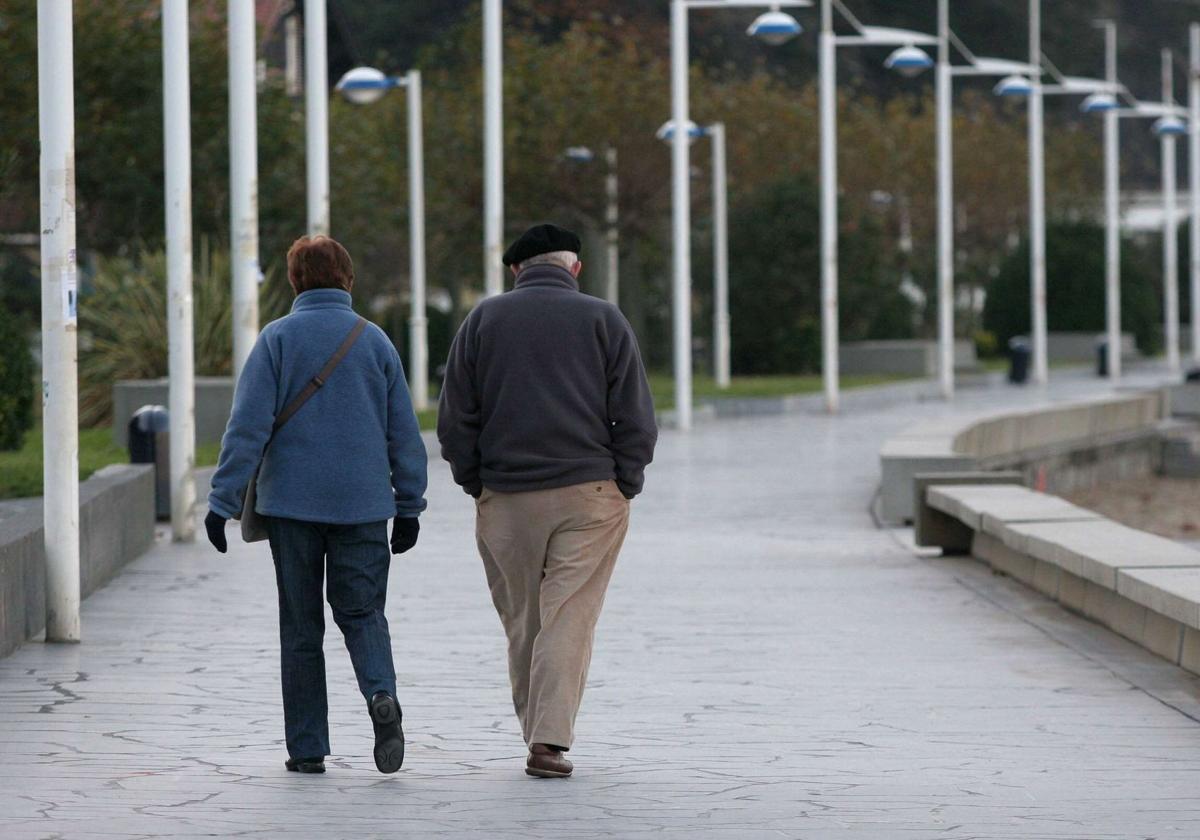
(545, 762)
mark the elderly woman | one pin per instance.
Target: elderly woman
(323, 424)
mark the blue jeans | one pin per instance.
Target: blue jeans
(358, 557)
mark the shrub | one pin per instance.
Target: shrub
(16, 382)
(123, 323)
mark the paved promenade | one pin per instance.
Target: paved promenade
(769, 665)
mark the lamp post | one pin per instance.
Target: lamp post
(612, 215)
(243, 181)
(60, 389)
(1037, 200)
(316, 116)
(362, 86)
(178, 187)
(907, 59)
(1112, 208)
(1194, 182)
(493, 148)
(774, 27)
(1168, 129)
(720, 198)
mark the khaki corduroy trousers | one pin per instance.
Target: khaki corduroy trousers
(549, 555)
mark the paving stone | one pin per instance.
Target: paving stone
(768, 665)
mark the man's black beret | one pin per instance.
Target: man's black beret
(541, 239)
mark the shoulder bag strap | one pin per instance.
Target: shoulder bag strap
(319, 380)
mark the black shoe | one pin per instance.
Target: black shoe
(389, 737)
(306, 765)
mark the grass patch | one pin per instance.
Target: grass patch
(21, 470)
(704, 387)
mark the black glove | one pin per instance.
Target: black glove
(215, 525)
(404, 533)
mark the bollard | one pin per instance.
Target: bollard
(1018, 360)
(1102, 358)
(149, 443)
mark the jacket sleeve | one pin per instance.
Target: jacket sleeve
(248, 430)
(406, 449)
(634, 430)
(459, 413)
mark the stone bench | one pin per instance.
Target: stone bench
(1142, 586)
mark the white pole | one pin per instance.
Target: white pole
(1194, 181)
(243, 180)
(721, 363)
(316, 116)
(945, 211)
(291, 55)
(178, 183)
(60, 412)
(1112, 213)
(612, 219)
(418, 335)
(1037, 199)
(493, 148)
(1170, 249)
(681, 217)
(829, 207)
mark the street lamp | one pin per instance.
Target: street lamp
(908, 60)
(362, 86)
(316, 116)
(583, 154)
(720, 193)
(772, 29)
(1168, 125)
(243, 181)
(493, 148)
(1194, 182)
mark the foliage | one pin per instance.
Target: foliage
(123, 316)
(16, 382)
(775, 308)
(1075, 288)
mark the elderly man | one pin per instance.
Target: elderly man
(323, 429)
(546, 419)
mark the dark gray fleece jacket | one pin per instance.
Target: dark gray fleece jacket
(545, 388)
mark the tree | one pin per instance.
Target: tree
(16, 382)
(1075, 288)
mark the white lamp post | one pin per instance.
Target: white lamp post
(243, 180)
(720, 197)
(316, 116)
(1168, 129)
(612, 216)
(493, 148)
(1194, 182)
(774, 27)
(60, 392)
(909, 60)
(178, 183)
(362, 86)
(1112, 202)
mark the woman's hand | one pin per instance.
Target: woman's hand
(404, 534)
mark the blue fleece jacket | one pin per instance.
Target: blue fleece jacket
(352, 454)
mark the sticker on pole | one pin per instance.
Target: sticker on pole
(70, 295)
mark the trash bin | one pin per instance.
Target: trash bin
(1018, 360)
(149, 443)
(1102, 358)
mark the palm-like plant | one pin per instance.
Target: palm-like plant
(123, 324)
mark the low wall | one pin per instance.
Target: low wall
(116, 524)
(1059, 447)
(214, 399)
(917, 358)
(1142, 586)
(1081, 346)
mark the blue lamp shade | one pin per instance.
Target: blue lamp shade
(1170, 126)
(1013, 86)
(363, 85)
(666, 132)
(909, 61)
(1098, 103)
(579, 154)
(775, 28)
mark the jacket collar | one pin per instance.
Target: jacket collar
(545, 275)
(321, 299)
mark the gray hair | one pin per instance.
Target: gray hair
(563, 259)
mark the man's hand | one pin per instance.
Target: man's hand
(215, 525)
(404, 533)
